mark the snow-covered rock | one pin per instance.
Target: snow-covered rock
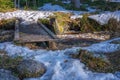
(104, 17)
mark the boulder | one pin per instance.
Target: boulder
(7, 75)
(30, 68)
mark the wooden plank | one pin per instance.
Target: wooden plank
(34, 33)
(47, 30)
(16, 34)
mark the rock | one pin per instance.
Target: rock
(7, 75)
(30, 68)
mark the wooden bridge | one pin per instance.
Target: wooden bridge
(37, 32)
(33, 32)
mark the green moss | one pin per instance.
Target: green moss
(44, 21)
(61, 22)
(86, 25)
(6, 5)
(47, 23)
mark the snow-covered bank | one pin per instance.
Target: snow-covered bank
(60, 66)
(104, 17)
(104, 47)
(26, 15)
(44, 12)
(33, 15)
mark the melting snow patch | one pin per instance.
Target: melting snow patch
(104, 17)
(26, 15)
(50, 7)
(104, 47)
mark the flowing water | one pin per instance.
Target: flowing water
(59, 64)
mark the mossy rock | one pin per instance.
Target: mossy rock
(96, 64)
(30, 68)
(9, 63)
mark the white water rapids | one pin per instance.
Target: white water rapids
(60, 66)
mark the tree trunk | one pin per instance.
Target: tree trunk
(15, 1)
(26, 3)
(18, 3)
(76, 3)
(34, 3)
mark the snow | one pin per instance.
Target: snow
(50, 7)
(25, 15)
(66, 2)
(60, 66)
(104, 17)
(91, 9)
(104, 47)
(76, 16)
(45, 11)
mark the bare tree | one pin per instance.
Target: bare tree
(15, 3)
(34, 3)
(26, 3)
(18, 3)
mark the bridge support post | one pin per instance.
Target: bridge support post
(52, 45)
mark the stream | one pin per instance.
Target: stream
(59, 64)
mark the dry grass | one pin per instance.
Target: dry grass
(7, 24)
(95, 63)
